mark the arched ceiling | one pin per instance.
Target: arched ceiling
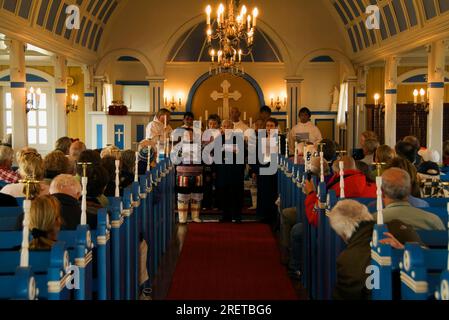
(396, 17)
(46, 18)
(49, 17)
(192, 47)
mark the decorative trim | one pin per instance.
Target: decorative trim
(206, 76)
(132, 83)
(324, 113)
(361, 95)
(418, 287)
(436, 85)
(391, 91)
(17, 85)
(89, 95)
(381, 261)
(60, 91)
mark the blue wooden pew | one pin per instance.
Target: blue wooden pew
(101, 254)
(421, 271)
(18, 286)
(47, 268)
(8, 218)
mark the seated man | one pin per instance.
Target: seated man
(354, 224)
(396, 189)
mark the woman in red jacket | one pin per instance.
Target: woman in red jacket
(356, 186)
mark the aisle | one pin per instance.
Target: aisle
(230, 262)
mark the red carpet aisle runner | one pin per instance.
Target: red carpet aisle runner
(230, 262)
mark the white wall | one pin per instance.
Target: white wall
(318, 84)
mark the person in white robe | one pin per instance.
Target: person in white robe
(304, 131)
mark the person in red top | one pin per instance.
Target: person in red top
(7, 175)
(356, 186)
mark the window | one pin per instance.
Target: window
(38, 122)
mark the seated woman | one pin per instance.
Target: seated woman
(56, 163)
(445, 157)
(31, 165)
(45, 222)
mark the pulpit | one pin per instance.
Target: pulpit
(110, 130)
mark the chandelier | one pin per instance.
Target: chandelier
(234, 36)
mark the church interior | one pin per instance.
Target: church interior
(353, 93)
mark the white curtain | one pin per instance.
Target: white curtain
(343, 105)
(108, 95)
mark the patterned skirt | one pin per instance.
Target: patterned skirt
(189, 179)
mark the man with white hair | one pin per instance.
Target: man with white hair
(7, 175)
(352, 221)
(396, 187)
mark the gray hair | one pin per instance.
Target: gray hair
(346, 217)
(6, 154)
(396, 184)
(65, 184)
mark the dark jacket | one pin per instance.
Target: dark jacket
(7, 201)
(355, 259)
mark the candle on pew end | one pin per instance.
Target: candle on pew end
(342, 180)
(380, 216)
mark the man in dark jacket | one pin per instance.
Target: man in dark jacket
(354, 224)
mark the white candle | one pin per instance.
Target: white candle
(117, 178)
(250, 122)
(342, 180)
(296, 153)
(207, 115)
(24, 254)
(286, 148)
(380, 215)
(165, 122)
(322, 165)
(244, 116)
(288, 122)
(305, 158)
(84, 201)
(136, 169)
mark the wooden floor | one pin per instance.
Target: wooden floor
(161, 284)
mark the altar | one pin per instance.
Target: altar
(121, 131)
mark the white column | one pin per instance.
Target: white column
(293, 99)
(351, 132)
(99, 82)
(89, 100)
(156, 94)
(362, 74)
(436, 96)
(60, 96)
(18, 94)
(391, 97)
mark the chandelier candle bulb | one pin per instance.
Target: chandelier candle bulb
(255, 15)
(422, 93)
(415, 96)
(342, 181)
(208, 12)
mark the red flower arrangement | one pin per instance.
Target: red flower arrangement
(118, 109)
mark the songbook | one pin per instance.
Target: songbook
(301, 137)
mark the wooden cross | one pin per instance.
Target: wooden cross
(84, 165)
(27, 183)
(379, 166)
(226, 96)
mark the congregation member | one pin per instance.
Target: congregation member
(210, 197)
(417, 146)
(267, 192)
(358, 154)
(369, 149)
(189, 175)
(230, 177)
(407, 151)
(63, 144)
(354, 224)
(264, 114)
(56, 163)
(407, 166)
(45, 222)
(76, 148)
(305, 130)
(128, 161)
(429, 176)
(159, 129)
(31, 166)
(7, 174)
(396, 188)
(235, 115)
